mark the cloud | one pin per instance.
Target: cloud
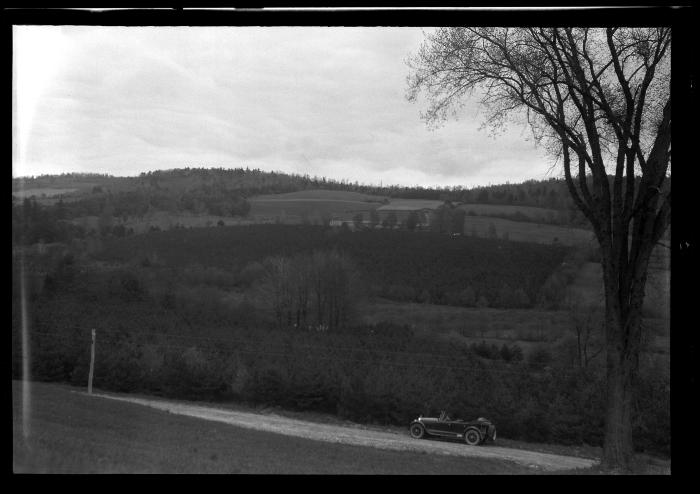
(323, 101)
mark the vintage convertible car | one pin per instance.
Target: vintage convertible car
(472, 431)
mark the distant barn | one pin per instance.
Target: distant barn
(402, 208)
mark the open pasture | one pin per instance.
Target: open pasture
(533, 213)
(312, 205)
(527, 232)
(321, 195)
(477, 323)
(311, 210)
(527, 328)
(41, 192)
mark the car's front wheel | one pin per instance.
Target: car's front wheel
(417, 431)
(472, 437)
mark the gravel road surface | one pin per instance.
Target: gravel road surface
(360, 437)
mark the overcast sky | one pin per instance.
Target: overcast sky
(323, 101)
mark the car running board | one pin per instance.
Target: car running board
(445, 434)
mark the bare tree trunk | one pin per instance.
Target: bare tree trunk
(618, 447)
(623, 328)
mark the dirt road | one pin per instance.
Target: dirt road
(358, 436)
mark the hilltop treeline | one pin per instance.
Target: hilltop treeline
(246, 182)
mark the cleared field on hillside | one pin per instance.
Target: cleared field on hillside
(321, 194)
(587, 289)
(534, 213)
(46, 191)
(312, 206)
(312, 210)
(75, 433)
(524, 325)
(48, 196)
(411, 204)
(528, 328)
(520, 231)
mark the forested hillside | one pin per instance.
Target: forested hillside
(372, 324)
(187, 188)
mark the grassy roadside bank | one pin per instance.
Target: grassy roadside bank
(72, 433)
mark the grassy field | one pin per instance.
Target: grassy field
(39, 192)
(471, 324)
(520, 231)
(313, 210)
(312, 205)
(74, 433)
(534, 213)
(398, 204)
(528, 328)
(321, 195)
(587, 289)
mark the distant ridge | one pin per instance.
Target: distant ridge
(551, 193)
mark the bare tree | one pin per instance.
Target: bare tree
(319, 290)
(586, 323)
(599, 100)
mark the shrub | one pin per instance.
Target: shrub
(520, 298)
(423, 297)
(127, 286)
(516, 353)
(403, 293)
(506, 297)
(539, 357)
(467, 297)
(492, 233)
(534, 422)
(485, 350)
(251, 272)
(506, 353)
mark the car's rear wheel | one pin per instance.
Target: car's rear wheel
(417, 431)
(472, 437)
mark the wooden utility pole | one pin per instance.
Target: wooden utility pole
(92, 362)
